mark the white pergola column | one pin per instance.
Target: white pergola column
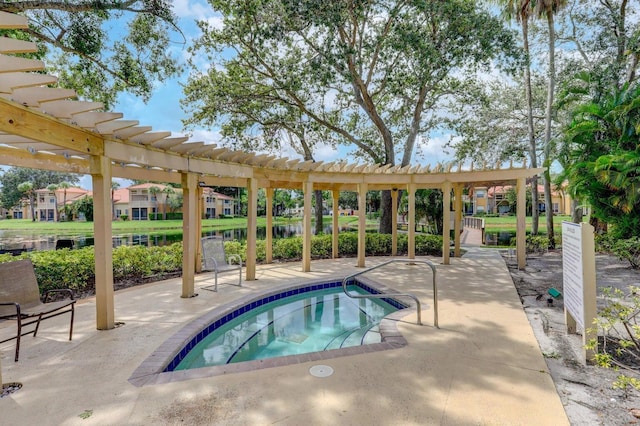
(252, 225)
(394, 222)
(457, 206)
(335, 194)
(362, 223)
(307, 188)
(411, 226)
(521, 224)
(103, 245)
(269, 229)
(189, 232)
(446, 222)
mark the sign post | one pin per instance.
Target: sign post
(579, 282)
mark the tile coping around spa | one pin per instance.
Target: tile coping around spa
(151, 371)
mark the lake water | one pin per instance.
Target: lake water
(498, 238)
(17, 240)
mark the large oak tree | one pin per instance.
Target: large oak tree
(372, 75)
(102, 47)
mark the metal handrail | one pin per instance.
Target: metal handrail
(380, 296)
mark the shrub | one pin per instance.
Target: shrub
(288, 248)
(124, 217)
(74, 269)
(321, 247)
(604, 243)
(131, 262)
(348, 243)
(629, 250)
(378, 244)
(236, 247)
(428, 245)
(619, 347)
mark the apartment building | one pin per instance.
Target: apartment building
(49, 204)
(215, 204)
(494, 199)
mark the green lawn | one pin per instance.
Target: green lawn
(508, 223)
(139, 226)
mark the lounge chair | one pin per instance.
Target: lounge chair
(20, 300)
(215, 259)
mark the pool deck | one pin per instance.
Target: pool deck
(482, 366)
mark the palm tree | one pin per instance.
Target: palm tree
(166, 191)
(53, 188)
(547, 9)
(154, 191)
(64, 186)
(27, 189)
(114, 186)
(601, 161)
(521, 11)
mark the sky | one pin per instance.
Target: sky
(163, 111)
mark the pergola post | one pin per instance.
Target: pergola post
(334, 229)
(252, 224)
(411, 226)
(394, 222)
(189, 232)
(103, 245)
(198, 259)
(269, 229)
(307, 188)
(362, 223)
(446, 222)
(521, 228)
(457, 206)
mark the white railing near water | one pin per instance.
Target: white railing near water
(473, 222)
(383, 295)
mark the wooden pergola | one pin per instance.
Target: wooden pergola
(44, 127)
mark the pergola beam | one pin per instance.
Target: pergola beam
(22, 121)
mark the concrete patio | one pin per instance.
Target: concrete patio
(483, 366)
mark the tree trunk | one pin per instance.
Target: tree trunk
(32, 203)
(548, 202)
(319, 218)
(385, 214)
(547, 132)
(576, 211)
(535, 216)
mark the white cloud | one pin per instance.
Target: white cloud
(431, 150)
(325, 153)
(206, 136)
(193, 9)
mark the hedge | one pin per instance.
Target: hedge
(75, 269)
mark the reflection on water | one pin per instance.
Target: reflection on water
(502, 238)
(23, 240)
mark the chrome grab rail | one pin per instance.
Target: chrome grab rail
(380, 296)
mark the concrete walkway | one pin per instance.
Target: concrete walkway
(483, 366)
(471, 237)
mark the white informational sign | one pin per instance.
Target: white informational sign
(572, 271)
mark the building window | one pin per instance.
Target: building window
(480, 194)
